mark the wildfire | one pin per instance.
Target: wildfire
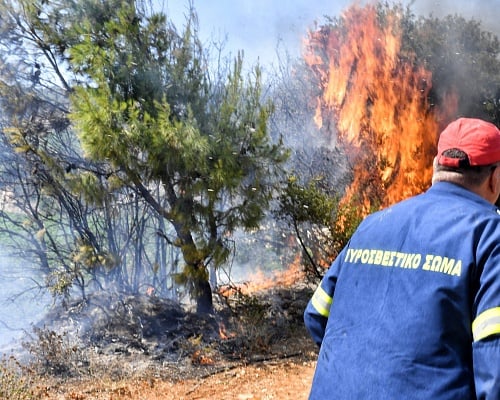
(260, 281)
(376, 97)
(223, 333)
(199, 358)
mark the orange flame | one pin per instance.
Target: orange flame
(223, 333)
(199, 358)
(260, 281)
(376, 96)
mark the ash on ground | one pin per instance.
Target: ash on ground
(123, 334)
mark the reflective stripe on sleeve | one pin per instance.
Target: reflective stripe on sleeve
(486, 324)
(321, 302)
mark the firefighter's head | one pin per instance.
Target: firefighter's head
(469, 155)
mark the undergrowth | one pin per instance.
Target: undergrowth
(246, 327)
(56, 354)
(16, 380)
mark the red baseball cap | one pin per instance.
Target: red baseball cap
(479, 139)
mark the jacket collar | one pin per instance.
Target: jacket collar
(449, 188)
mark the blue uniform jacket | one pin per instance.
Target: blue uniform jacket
(410, 309)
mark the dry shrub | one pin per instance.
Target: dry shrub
(56, 354)
(254, 324)
(16, 380)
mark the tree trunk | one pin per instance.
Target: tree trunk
(203, 297)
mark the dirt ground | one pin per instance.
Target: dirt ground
(260, 351)
(276, 380)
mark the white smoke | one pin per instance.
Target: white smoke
(261, 28)
(22, 302)
(485, 11)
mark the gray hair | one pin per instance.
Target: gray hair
(463, 175)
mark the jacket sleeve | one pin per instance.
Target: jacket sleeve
(486, 354)
(486, 325)
(318, 309)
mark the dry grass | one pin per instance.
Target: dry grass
(16, 380)
(254, 330)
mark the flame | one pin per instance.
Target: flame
(260, 281)
(223, 333)
(199, 358)
(375, 96)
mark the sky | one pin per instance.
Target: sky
(264, 28)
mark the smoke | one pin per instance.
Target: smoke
(22, 301)
(485, 11)
(263, 28)
(260, 28)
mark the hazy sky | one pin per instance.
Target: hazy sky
(260, 27)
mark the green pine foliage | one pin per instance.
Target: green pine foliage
(149, 109)
(322, 223)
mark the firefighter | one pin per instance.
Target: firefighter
(410, 309)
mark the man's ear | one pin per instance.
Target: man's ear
(495, 181)
(497, 203)
(434, 166)
(435, 162)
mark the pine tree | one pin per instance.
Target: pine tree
(149, 108)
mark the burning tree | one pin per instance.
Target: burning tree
(378, 97)
(388, 84)
(383, 83)
(463, 60)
